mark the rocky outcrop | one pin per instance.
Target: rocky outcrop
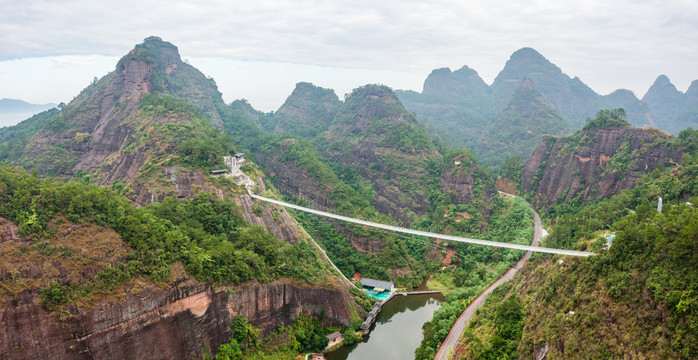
(594, 163)
(106, 132)
(291, 179)
(269, 306)
(181, 321)
(274, 219)
(457, 181)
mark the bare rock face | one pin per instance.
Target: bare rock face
(462, 181)
(459, 184)
(594, 163)
(293, 180)
(176, 322)
(8, 230)
(272, 218)
(267, 306)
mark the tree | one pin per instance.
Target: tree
(607, 118)
(229, 351)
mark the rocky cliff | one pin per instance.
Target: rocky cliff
(594, 163)
(294, 180)
(137, 319)
(128, 126)
(463, 182)
(274, 219)
(180, 321)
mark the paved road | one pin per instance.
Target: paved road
(451, 340)
(425, 233)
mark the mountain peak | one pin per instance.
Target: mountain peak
(662, 90)
(662, 80)
(692, 92)
(153, 50)
(307, 111)
(527, 55)
(462, 83)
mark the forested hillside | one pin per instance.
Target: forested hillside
(636, 298)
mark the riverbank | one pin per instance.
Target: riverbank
(397, 330)
(378, 305)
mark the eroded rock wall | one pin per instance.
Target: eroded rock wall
(594, 163)
(175, 322)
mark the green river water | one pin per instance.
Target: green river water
(397, 332)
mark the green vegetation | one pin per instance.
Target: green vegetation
(498, 327)
(636, 298)
(206, 234)
(306, 113)
(607, 118)
(478, 267)
(350, 194)
(244, 339)
(13, 139)
(511, 169)
(162, 105)
(519, 128)
(304, 335)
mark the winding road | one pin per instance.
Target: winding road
(451, 340)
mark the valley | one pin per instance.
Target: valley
(123, 233)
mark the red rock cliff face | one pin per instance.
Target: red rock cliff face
(177, 322)
(595, 163)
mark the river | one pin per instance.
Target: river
(397, 332)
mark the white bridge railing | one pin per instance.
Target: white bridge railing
(425, 233)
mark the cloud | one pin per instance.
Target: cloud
(581, 37)
(68, 61)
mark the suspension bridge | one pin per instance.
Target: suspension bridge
(426, 233)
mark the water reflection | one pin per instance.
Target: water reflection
(397, 331)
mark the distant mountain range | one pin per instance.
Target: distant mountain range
(498, 121)
(14, 106)
(13, 111)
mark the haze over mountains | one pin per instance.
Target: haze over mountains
(13, 111)
(463, 110)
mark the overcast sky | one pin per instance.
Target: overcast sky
(258, 50)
